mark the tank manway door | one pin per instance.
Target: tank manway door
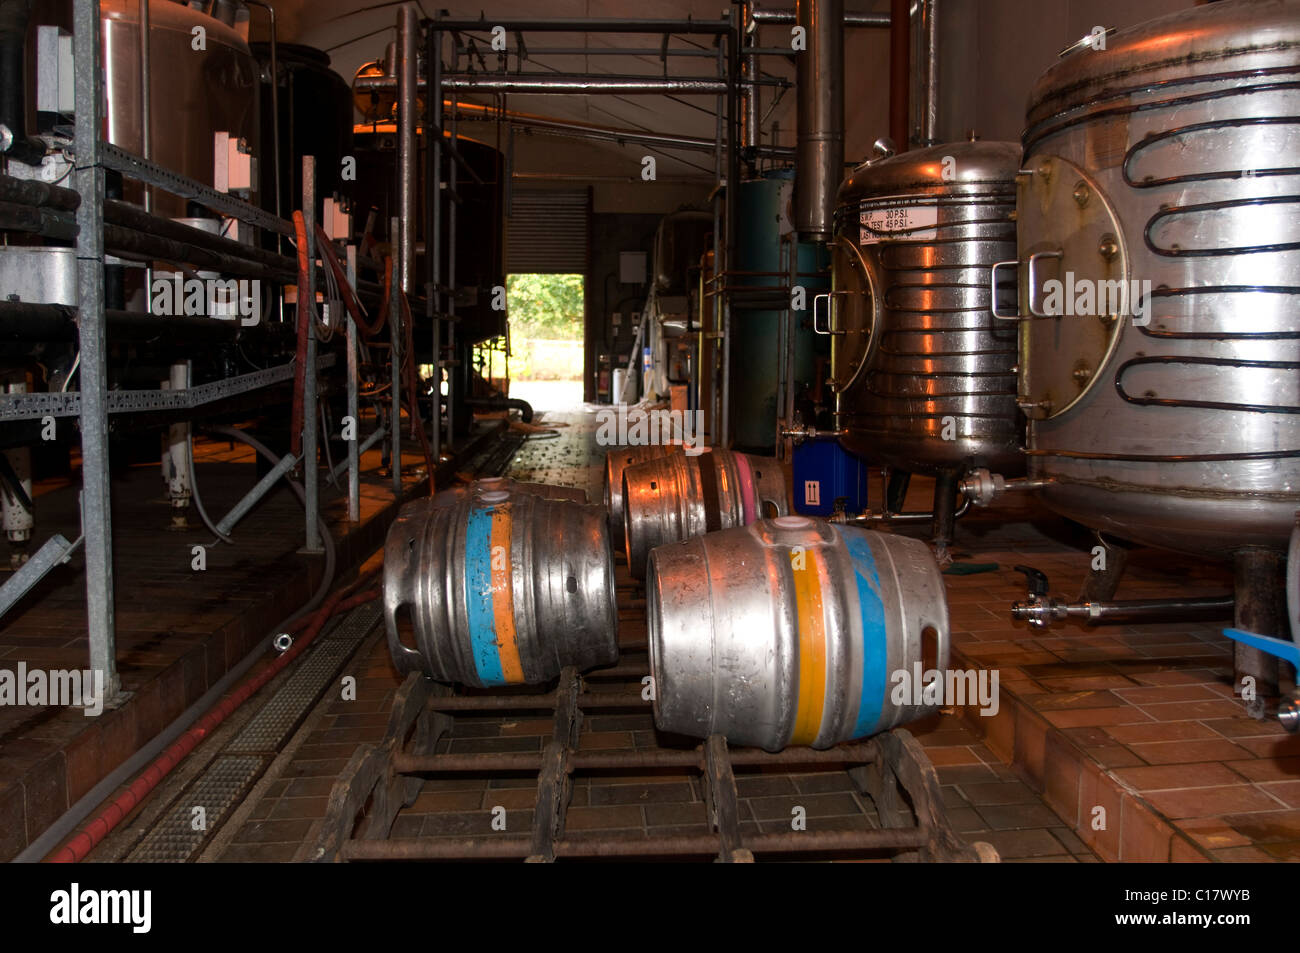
(850, 314)
(1075, 293)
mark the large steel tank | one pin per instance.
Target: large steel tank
(193, 94)
(765, 242)
(923, 372)
(1169, 413)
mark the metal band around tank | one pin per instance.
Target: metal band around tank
(709, 490)
(749, 508)
(489, 596)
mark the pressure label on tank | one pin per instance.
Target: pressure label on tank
(902, 222)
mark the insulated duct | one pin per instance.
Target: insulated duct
(820, 80)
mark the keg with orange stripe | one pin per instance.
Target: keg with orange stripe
(698, 491)
(502, 588)
(791, 631)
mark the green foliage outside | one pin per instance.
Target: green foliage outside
(545, 307)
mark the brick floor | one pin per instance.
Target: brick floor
(178, 631)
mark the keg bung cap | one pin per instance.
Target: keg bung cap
(492, 483)
(792, 522)
(494, 496)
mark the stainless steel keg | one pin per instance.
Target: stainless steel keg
(502, 588)
(793, 631)
(685, 494)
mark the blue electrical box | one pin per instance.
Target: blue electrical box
(825, 472)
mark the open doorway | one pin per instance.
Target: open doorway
(546, 339)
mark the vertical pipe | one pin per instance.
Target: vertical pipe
(146, 133)
(433, 234)
(96, 494)
(457, 378)
(750, 116)
(407, 79)
(17, 516)
(176, 463)
(395, 354)
(820, 80)
(354, 454)
(732, 39)
(307, 312)
(899, 74)
(945, 509)
(930, 87)
(1259, 606)
(275, 108)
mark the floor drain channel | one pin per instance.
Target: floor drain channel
(204, 804)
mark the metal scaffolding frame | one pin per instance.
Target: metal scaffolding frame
(103, 225)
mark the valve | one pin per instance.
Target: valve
(1039, 609)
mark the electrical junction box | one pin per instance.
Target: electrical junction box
(824, 472)
(632, 267)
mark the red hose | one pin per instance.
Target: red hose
(126, 802)
(349, 298)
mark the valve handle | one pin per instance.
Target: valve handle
(1035, 579)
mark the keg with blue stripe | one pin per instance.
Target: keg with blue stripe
(698, 491)
(502, 588)
(794, 631)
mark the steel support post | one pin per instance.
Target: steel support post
(354, 448)
(96, 493)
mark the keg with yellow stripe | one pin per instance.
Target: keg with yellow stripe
(616, 461)
(791, 631)
(502, 588)
(698, 491)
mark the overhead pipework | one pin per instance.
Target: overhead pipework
(820, 89)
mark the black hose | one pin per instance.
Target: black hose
(503, 403)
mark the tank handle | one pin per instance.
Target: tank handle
(993, 289)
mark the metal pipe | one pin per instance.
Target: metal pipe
(395, 383)
(1260, 608)
(96, 498)
(900, 77)
(407, 31)
(930, 86)
(876, 20)
(820, 73)
(353, 462)
(586, 25)
(457, 385)
(433, 231)
(749, 117)
(554, 125)
(307, 312)
(275, 105)
(548, 83)
(1127, 612)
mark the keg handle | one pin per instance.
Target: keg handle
(1034, 284)
(993, 289)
